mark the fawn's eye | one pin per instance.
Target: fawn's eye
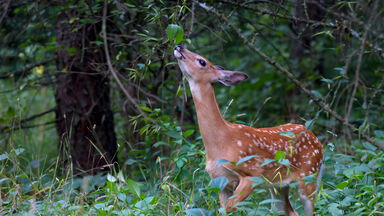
(202, 62)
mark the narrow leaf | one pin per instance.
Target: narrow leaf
(267, 161)
(219, 182)
(198, 212)
(221, 161)
(289, 134)
(342, 185)
(242, 160)
(257, 181)
(268, 201)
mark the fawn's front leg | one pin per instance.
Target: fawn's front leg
(243, 190)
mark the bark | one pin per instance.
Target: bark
(85, 120)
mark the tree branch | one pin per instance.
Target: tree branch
(336, 25)
(23, 70)
(20, 124)
(111, 68)
(285, 71)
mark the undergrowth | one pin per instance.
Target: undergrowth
(352, 184)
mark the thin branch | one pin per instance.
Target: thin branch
(38, 115)
(4, 12)
(23, 70)
(336, 25)
(358, 66)
(21, 126)
(285, 71)
(111, 68)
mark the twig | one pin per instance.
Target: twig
(38, 115)
(317, 100)
(336, 25)
(357, 70)
(111, 68)
(4, 12)
(21, 126)
(27, 68)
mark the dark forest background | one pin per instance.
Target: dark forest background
(96, 118)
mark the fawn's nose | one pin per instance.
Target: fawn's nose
(179, 47)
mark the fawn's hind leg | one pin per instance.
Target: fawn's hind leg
(307, 193)
(284, 205)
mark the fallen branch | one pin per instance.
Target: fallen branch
(285, 71)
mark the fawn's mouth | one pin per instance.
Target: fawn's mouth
(177, 52)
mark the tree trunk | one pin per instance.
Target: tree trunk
(85, 121)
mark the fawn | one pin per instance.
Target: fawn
(232, 142)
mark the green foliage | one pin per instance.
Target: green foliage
(162, 158)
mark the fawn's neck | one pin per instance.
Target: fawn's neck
(213, 126)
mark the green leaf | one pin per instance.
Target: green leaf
(146, 109)
(267, 161)
(3, 156)
(221, 161)
(308, 124)
(175, 33)
(160, 143)
(198, 212)
(11, 112)
(280, 155)
(284, 162)
(111, 178)
(219, 182)
(379, 133)
(19, 151)
(289, 134)
(342, 185)
(133, 187)
(310, 178)
(334, 210)
(188, 133)
(99, 205)
(268, 201)
(257, 181)
(317, 94)
(174, 134)
(329, 81)
(242, 160)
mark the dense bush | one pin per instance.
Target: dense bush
(161, 156)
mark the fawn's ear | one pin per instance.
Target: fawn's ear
(230, 78)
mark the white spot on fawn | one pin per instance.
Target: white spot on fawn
(239, 143)
(247, 134)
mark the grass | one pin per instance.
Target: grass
(352, 186)
(153, 184)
